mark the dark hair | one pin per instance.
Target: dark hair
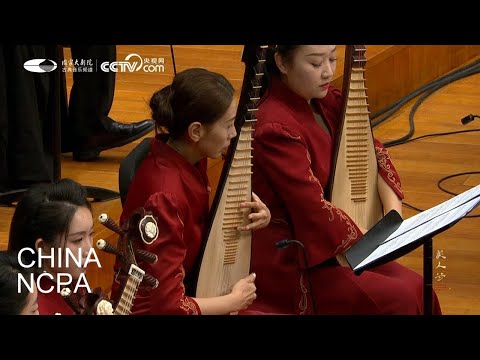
(195, 95)
(12, 301)
(45, 211)
(286, 51)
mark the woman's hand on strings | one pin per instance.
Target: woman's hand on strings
(260, 215)
(243, 293)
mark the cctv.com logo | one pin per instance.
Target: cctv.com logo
(40, 65)
(133, 62)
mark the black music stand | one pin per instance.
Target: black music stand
(358, 255)
(428, 275)
(58, 108)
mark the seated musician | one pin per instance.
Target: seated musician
(53, 222)
(297, 124)
(15, 300)
(198, 110)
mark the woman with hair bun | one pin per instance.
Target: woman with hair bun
(198, 110)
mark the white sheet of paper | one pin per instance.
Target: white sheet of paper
(425, 223)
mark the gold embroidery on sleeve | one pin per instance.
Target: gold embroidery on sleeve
(352, 235)
(186, 304)
(302, 305)
(352, 231)
(383, 158)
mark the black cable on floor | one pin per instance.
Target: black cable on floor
(428, 90)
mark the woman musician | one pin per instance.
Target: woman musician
(198, 110)
(297, 122)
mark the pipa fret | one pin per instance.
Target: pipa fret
(354, 181)
(226, 252)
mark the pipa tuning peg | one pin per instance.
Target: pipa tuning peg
(110, 224)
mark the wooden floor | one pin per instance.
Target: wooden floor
(421, 163)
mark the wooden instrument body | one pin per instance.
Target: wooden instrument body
(227, 252)
(354, 185)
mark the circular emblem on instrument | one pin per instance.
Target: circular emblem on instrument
(148, 229)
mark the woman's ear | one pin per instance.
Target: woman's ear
(39, 244)
(195, 131)
(280, 64)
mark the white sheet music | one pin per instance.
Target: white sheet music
(426, 222)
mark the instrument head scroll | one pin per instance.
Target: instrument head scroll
(141, 227)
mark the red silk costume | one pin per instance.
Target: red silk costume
(178, 194)
(50, 301)
(292, 163)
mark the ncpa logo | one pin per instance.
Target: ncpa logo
(40, 65)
